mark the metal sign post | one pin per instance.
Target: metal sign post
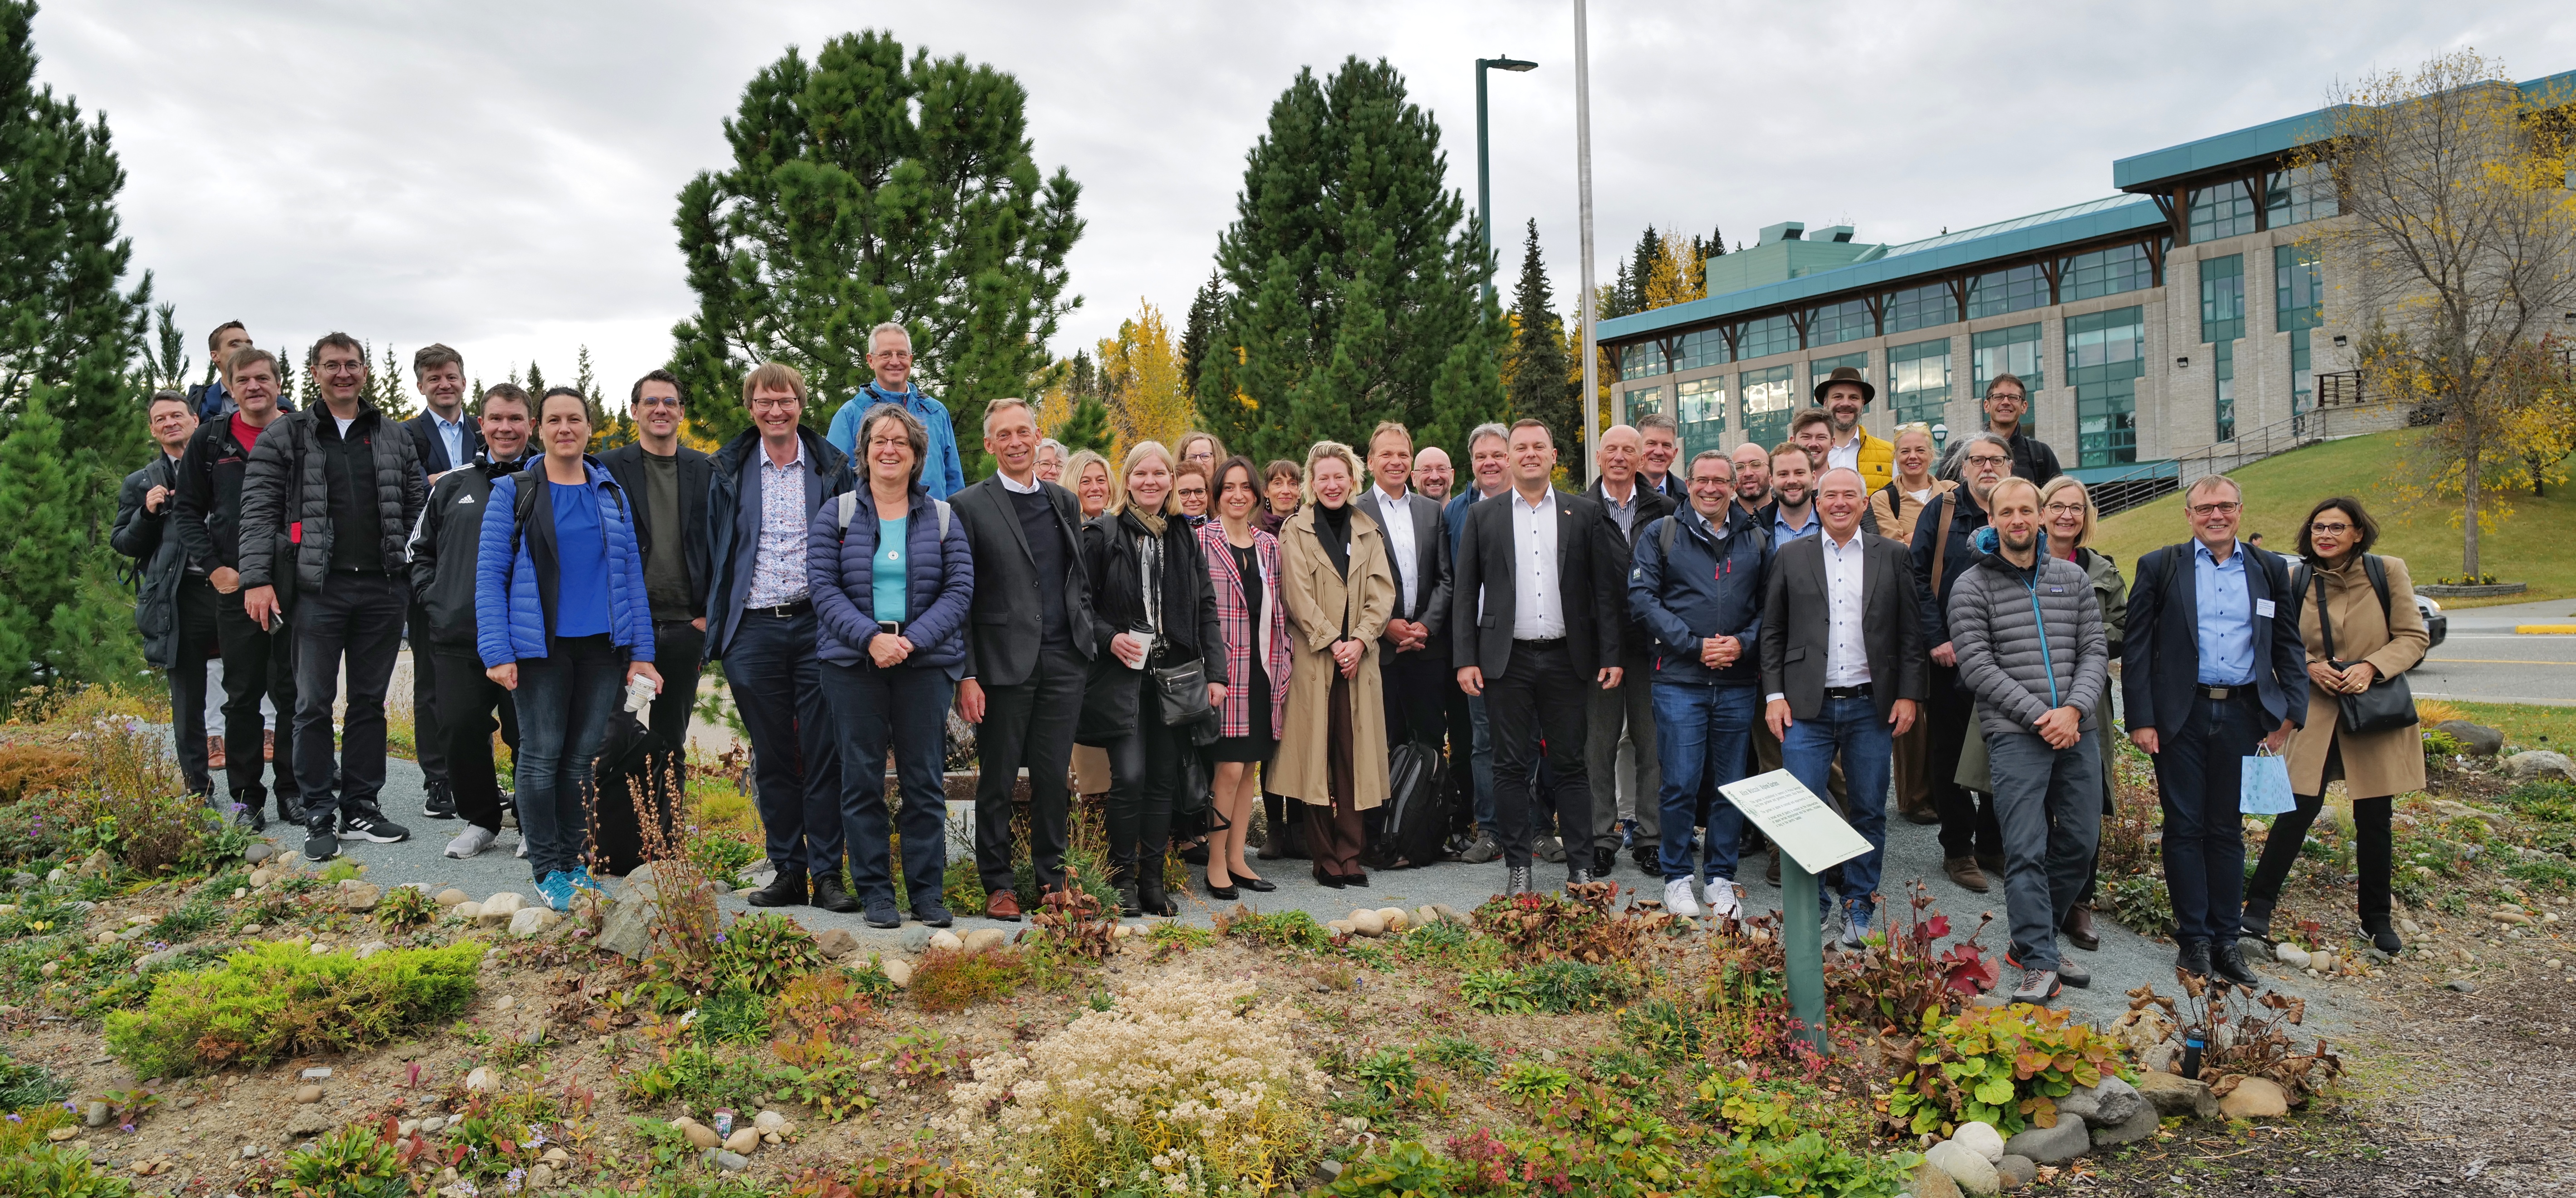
(1813, 839)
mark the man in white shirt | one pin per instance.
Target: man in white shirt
(1413, 656)
(1627, 713)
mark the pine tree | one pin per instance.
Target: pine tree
(1353, 278)
(392, 387)
(865, 188)
(169, 364)
(1537, 358)
(1206, 309)
(607, 430)
(41, 491)
(1087, 428)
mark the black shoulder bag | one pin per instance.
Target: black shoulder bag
(2388, 704)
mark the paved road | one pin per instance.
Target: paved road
(2485, 660)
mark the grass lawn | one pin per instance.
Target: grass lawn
(2534, 545)
(2525, 726)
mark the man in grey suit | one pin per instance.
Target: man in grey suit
(1843, 669)
(1628, 503)
(1028, 644)
(1533, 625)
(1413, 655)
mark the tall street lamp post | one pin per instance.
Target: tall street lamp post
(1583, 186)
(1484, 169)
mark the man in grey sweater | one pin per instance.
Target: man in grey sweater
(2032, 649)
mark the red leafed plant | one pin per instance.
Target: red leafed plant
(1889, 985)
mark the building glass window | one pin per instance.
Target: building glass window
(2221, 211)
(2298, 196)
(1706, 347)
(2106, 354)
(1918, 380)
(2013, 351)
(2222, 370)
(1921, 308)
(1770, 398)
(1763, 337)
(2017, 290)
(1834, 324)
(1701, 412)
(1640, 359)
(2298, 287)
(2106, 272)
(2303, 373)
(1644, 401)
(2222, 298)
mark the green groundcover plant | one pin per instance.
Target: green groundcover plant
(271, 1001)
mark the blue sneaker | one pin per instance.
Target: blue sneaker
(581, 877)
(556, 888)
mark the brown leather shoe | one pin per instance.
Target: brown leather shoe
(2079, 927)
(1964, 871)
(1002, 905)
(215, 758)
(1918, 814)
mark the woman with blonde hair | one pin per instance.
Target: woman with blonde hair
(1199, 448)
(1090, 486)
(1339, 592)
(1895, 508)
(1157, 616)
(2067, 515)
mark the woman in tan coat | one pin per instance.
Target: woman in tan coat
(2334, 582)
(1895, 506)
(1339, 592)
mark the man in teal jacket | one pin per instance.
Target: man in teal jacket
(943, 473)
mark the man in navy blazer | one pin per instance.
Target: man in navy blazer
(2210, 673)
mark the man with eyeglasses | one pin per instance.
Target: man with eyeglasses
(2209, 673)
(1971, 841)
(669, 481)
(2007, 401)
(943, 473)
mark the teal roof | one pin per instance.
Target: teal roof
(2271, 139)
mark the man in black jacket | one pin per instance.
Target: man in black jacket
(209, 400)
(1972, 842)
(174, 607)
(259, 659)
(1413, 654)
(764, 486)
(1029, 644)
(1533, 619)
(443, 548)
(445, 437)
(669, 482)
(330, 496)
(2007, 401)
(1627, 504)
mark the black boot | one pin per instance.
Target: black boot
(785, 890)
(2193, 959)
(254, 807)
(829, 895)
(1122, 878)
(2228, 963)
(2257, 918)
(1150, 897)
(2382, 936)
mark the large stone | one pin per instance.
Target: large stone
(308, 1093)
(2016, 1171)
(1395, 918)
(2255, 1098)
(943, 938)
(2480, 740)
(2140, 1126)
(468, 911)
(482, 1081)
(768, 1121)
(531, 921)
(1982, 1138)
(2290, 954)
(2108, 1104)
(836, 943)
(2051, 1145)
(628, 930)
(451, 896)
(2541, 763)
(897, 971)
(984, 938)
(2174, 1095)
(360, 896)
(310, 1121)
(744, 1140)
(732, 1162)
(916, 939)
(371, 948)
(1966, 1165)
(1366, 922)
(700, 1135)
(259, 852)
(498, 909)
(1931, 1182)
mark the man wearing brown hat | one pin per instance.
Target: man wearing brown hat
(1844, 395)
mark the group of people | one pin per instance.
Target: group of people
(1201, 639)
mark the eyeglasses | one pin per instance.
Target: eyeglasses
(2005, 397)
(658, 401)
(2213, 509)
(782, 404)
(2066, 509)
(2329, 530)
(896, 355)
(1987, 459)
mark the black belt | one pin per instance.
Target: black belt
(783, 611)
(2222, 693)
(1541, 644)
(1848, 692)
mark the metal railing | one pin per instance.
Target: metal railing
(2347, 416)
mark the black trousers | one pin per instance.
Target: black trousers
(356, 619)
(1146, 771)
(1540, 697)
(1416, 687)
(428, 737)
(1462, 762)
(194, 643)
(1029, 724)
(1968, 826)
(2370, 825)
(627, 792)
(2200, 772)
(256, 664)
(469, 699)
(777, 685)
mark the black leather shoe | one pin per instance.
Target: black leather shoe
(1603, 861)
(2229, 964)
(1223, 892)
(1328, 880)
(829, 896)
(2256, 919)
(1255, 885)
(1129, 904)
(290, 809)
(2193, 959)
(1355, 878)
(2382, 936)
(785, 890)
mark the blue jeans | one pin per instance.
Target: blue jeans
(906, 708)
(777, 685)
(564, 701)
(1701, 734)
(1481, 767)
(1854, 729)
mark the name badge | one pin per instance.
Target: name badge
(2263, 608)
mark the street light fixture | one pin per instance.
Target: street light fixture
(1484, 170)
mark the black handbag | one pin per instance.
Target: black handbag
(1184, 687)
(2388, 704)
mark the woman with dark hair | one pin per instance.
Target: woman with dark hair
(1283, 484)
(1243, 566)
(2356, 612)
(1156, 611)
(561, 622)
(891, 576)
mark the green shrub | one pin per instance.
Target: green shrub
(2139, 902)
(1807, 1164)
(2547, 800)
(1278, 929)
(733, 1015)
(1402, 1170)
(2003, 1066)
(1664, 1028)
(353, 1162)
(23, 1085)
(271, 1001)
(952, 979)
(58, 1171)
(698, 1077)
(1549, 987)
(1462, 1055)
(2546, 871)
(762, 952)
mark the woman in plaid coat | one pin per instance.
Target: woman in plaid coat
(1243, 570)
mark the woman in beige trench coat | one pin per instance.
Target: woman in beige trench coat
(2334, 552)
(1339, 592)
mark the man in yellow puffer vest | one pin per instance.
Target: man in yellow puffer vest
(1843, 395)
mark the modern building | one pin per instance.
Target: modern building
(2178, 319)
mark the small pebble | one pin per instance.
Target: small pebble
(308, 1093)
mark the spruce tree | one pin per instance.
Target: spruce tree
(1353, 278)
(1537, 356)
(863, 188)
(40, 490)
(1087, 428)
(1206, 309)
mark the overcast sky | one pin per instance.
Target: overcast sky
(502, 176)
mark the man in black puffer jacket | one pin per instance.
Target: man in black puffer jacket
(443, 552)
(327, 502)
(174, 608)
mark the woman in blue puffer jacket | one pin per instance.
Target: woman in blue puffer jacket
(892, 578)
(562, 623)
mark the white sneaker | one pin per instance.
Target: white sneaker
(1678, 900)
(1722, 902)
(522, 851)
(474, 839)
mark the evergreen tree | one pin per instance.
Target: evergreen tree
(1537, 359)
(169, 364)
(394, 394)
(1087, 428)
(1353, 279)
(607, 430)
(1206, 309)
(40, 490)
(866, 188)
